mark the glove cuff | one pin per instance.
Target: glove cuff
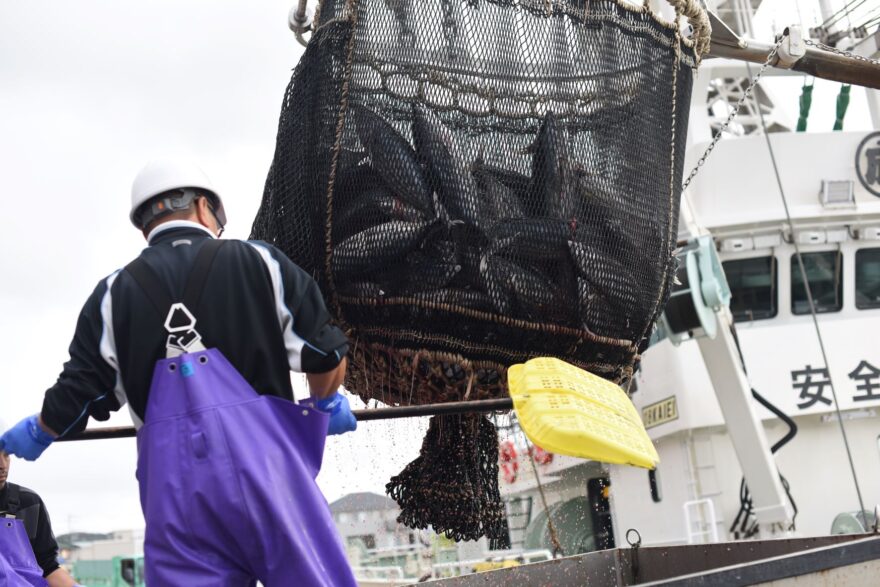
(329, 404)
(37, 433)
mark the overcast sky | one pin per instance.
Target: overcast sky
(90, 90)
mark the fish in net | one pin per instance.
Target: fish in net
(475, 183)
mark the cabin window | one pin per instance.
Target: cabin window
(753, 288)
(825, 274)
(867, 279)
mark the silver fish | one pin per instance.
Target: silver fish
(552, 178)
(349, 159)
(468, 255)
(436, 148)
(351, 183)
(599, 224)
(393, 159)
(501, 201)
(535, 239)
(519, 291)
(374, 206)
(607, 278)
(602, 315)
(516, 182)
(376, 247)
(431, 267)
(499, 295)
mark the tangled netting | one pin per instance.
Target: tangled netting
(474, 183)
(454, 487)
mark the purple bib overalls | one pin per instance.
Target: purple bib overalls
(227, 482)
(18, 567)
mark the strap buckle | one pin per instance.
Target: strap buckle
(182, 334)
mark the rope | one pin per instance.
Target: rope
(699, 20)
(554, 537)
(671, 237)
(351, 10)
(803, 272)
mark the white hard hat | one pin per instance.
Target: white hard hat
(162, 175)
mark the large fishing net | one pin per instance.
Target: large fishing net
(474, 183)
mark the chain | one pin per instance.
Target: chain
(837, 51)
(746, 95)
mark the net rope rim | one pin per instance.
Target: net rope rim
(695, 14)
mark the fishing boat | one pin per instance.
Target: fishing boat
(777, 207)
(726, 378)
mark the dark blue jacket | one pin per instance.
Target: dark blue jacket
(27, 506)
(265, 314)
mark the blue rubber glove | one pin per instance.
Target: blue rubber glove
(26, 439)
(341, 418)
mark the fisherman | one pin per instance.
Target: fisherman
(198, 336)
(28, 551)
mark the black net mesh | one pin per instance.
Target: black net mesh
(475, 183)
(455, 489)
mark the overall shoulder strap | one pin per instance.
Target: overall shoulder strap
(179, 317)
(13, 498)
(198, 275)
(149, 282)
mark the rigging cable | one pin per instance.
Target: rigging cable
(842, 13)
(870, 16)
(551, 527)
(806, 282)
(871, 20)
(797, 5)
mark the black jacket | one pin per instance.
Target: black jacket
(265, 314)
(31, 510)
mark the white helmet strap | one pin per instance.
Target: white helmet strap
(164, 204)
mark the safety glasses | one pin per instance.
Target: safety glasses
(220, 227)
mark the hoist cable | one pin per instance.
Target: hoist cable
(806, 282)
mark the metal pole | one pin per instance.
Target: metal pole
(826, 11)
(816, 62)
(744, 427)
(489, 405)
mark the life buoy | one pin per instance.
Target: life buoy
(541, 456)
(508, 462)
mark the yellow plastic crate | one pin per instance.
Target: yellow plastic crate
(569, 411)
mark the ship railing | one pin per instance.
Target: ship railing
(390, 573)
(705, 518)
(459, 568)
